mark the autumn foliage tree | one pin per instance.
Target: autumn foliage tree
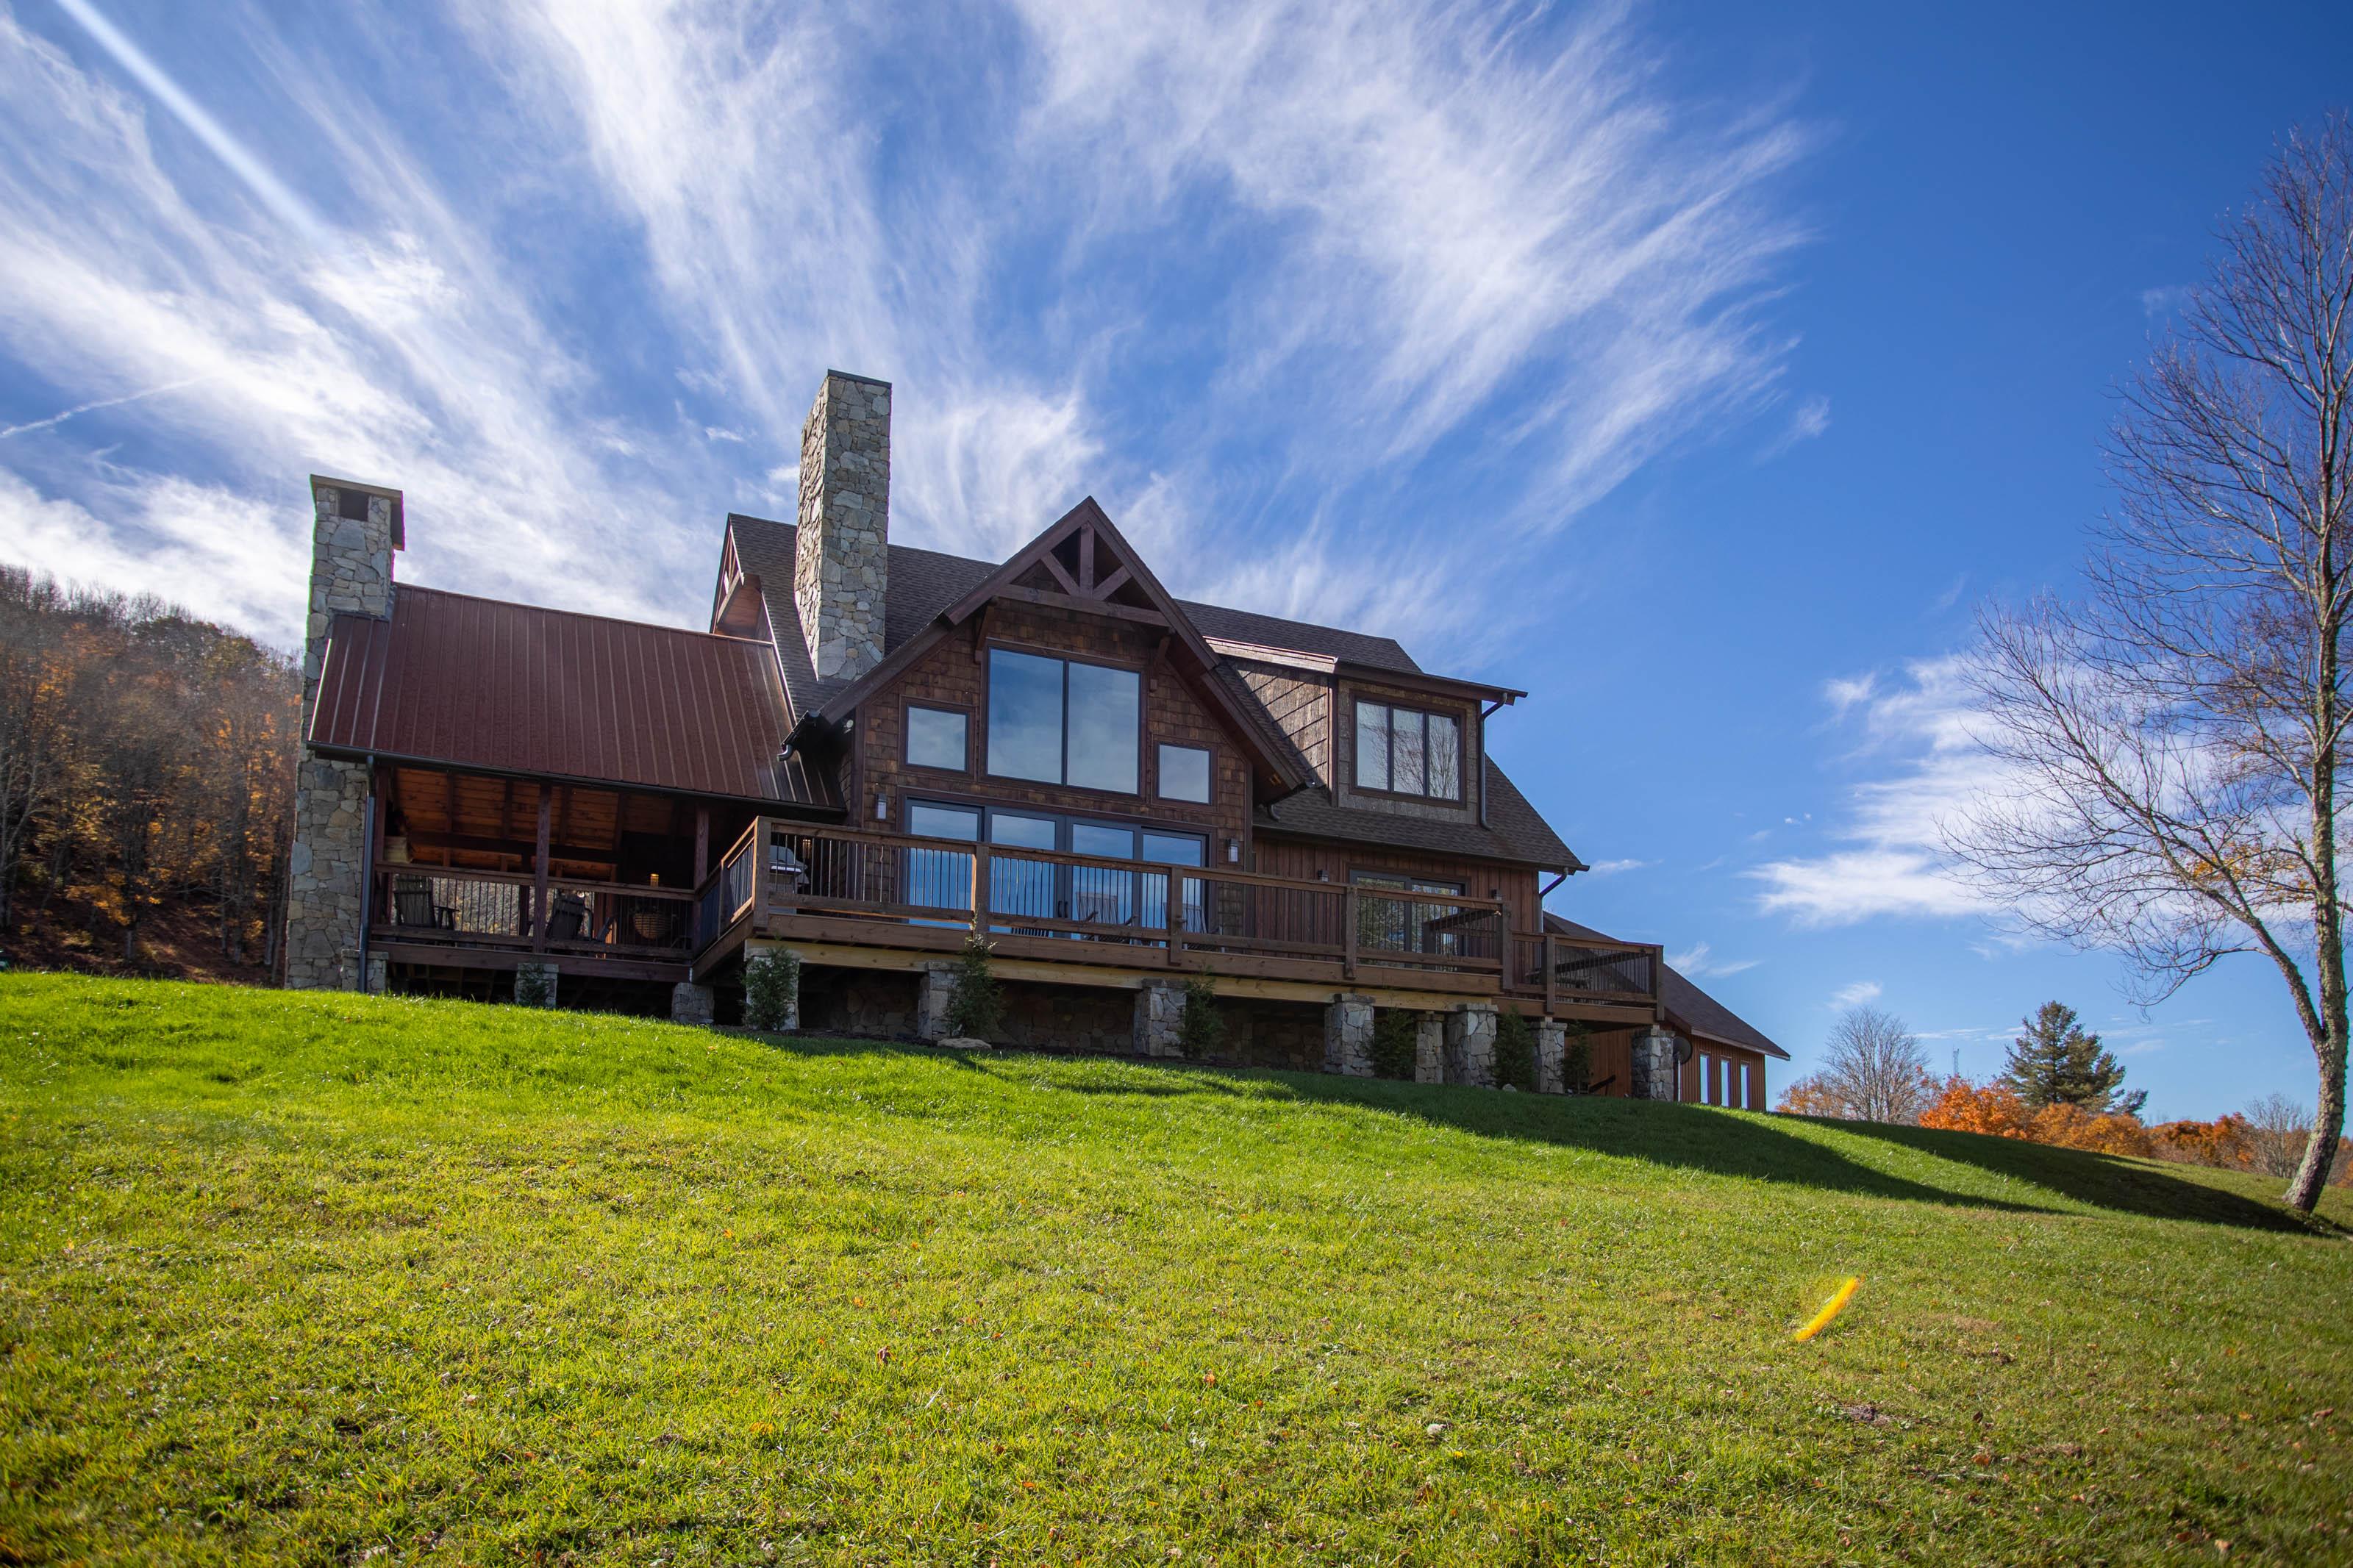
(1998, 1111)
(146, 760)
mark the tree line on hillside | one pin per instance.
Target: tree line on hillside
(2058, 1085)
(146, 764)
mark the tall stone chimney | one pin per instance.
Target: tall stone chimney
(841, 565)
(354, 529)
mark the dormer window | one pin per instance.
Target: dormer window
(1404, 750)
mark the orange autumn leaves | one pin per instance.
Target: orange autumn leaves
(1998, 1111)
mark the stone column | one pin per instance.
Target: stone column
(935, 985)
(1654, 1064)
(353, 534)
(1348, 1036)
(1471, 1045)
(543, 976)
(1429, 1049)
(324, 873)
(1552, 1056)
(691, 1003)
(1159, 1019)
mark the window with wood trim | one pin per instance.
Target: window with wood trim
(1057, 720)
(937, 738)
(1404, 751)
(1185, 772)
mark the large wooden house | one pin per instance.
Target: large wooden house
(876, 752)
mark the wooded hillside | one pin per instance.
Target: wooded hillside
(146, 783)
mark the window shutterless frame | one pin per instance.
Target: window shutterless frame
(908, 724)
(1186, 768)
(1398, 751)
(996, 729)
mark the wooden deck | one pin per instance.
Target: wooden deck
(886, 901)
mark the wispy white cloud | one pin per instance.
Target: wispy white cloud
(1506, 237)
(1861, 993)
(1809, 419)
(1916, 731)
(2163, 301)
(1699, 962)
(1615, 867)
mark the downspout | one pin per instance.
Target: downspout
(1484, 715)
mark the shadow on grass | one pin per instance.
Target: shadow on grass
(1725, 1144)
(1687, 1137)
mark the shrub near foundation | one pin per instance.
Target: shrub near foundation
(975, 1002)
(772, 988)
(1516, 1053)
(1396, 1037)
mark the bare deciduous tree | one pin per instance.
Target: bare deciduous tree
(1873, 1071)
(2278, 1128)
(2177, 737)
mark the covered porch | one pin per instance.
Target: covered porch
(474, 873)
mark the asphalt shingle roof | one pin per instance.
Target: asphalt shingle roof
(923, 582)
(1687, 1004)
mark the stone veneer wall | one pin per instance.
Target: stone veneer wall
(841, 561)
(1654, 1065)
(351, 574)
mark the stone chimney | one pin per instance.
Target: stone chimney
(841, 566)
(354, 529)
(354, 532)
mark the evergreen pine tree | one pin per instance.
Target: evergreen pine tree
(2055, 1062)
(976, 1002)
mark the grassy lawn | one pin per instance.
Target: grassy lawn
(327, 1278)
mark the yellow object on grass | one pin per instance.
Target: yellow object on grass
(1831, 1308)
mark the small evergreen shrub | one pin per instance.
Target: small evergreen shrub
(1396, 1035)
(1516, 1053)
(1201, 1028)
(1576, 1062)
(530, 986)
(771, 989)
(975, 1002)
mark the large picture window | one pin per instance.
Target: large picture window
(1057, 721)
(1404, 750)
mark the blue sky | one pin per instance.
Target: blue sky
(1697, 368)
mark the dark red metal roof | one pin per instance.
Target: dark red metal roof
(515, 689)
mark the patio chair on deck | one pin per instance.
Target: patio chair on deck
(413, 905)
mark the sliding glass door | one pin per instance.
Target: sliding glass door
(1020, 887)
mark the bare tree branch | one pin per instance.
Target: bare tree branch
(2176, 739)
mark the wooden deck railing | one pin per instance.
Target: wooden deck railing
(784, 876)
(506, 909)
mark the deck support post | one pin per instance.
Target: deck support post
(1552, 1056)
(539, 876)
(1429, 1049)
(1160, 1018)
(1654, 1072)
(692, 1003)
(935, 988)
(1348, 1036)
(541, 976)
(1471, 1043)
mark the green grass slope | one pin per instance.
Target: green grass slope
(334, 1280)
